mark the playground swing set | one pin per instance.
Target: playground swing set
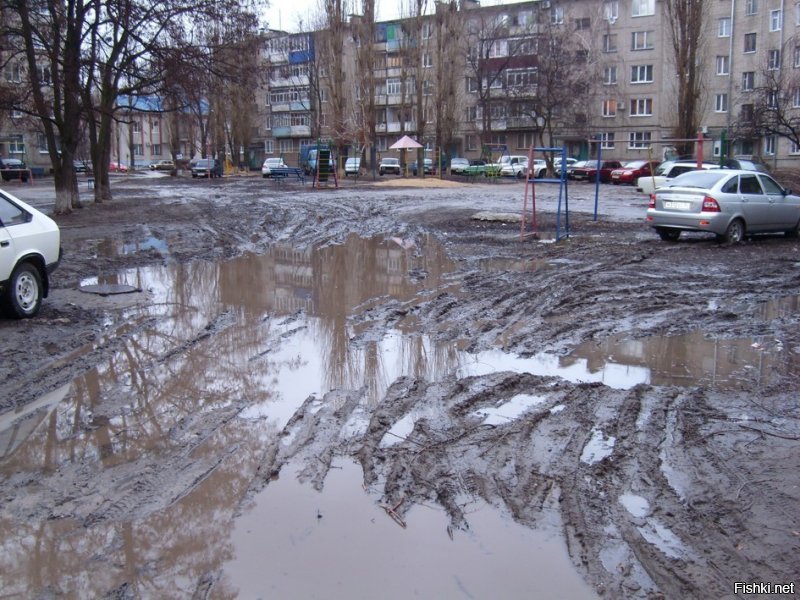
(563, 195)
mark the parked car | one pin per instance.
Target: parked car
(508, 159)
(389, 165)
(13, 168)
(427, 167)
(206, 167)
(117, 167)
(352, 166)
(269, 164)
(746, 164)
(588, 172)
(669, 170)
(308, 158)
(81, 166)
(476, 167)
(631, 171)
(729, 203)
(578, 164)
(30, 248)
(162, 165)
(518, 169)
(458, 165)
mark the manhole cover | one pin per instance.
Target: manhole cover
(108, 289)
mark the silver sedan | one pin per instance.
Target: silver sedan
(729, 203)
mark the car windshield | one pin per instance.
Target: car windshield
(698, 179)
(391, 161)
(636, 164)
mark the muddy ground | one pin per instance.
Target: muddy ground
(676, 486)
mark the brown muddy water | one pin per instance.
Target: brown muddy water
(239, 346)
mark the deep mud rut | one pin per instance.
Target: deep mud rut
(675, 485)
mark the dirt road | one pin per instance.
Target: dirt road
(638, 397)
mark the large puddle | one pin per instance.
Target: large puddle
(251, 340)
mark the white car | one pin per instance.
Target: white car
(30, 248)
(518, 169)
(669, 170)
(269, 164)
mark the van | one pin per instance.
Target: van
(308, 158)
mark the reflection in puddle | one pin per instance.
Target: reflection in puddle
(243, 344)
(295, 542)
(685, 360)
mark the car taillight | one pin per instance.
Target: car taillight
(710, 205)
(652, 201)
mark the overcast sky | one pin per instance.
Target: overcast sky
(284, 14)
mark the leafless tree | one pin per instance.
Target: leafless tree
(774, 109)
(449, 62)
(687, 20)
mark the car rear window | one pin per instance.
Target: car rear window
(698, 179)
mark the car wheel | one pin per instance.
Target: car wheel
(793, 233)
(24, 292)
(735, 232)
(668, 235)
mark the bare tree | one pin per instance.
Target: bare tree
(555, 92)
(449, 53)
(687, 21)
(774, 110)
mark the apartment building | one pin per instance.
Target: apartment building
(621, 49)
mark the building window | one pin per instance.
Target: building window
(138, 150)
(796, 97)
(472, 114)
(638, 140)
(749, 42)
(723, 65)
(136, 127)
(472, 143)
(724, 27)
(610, 75)
(721, 103)
(769, 145)
(751, 7)
(498, 49)
(774, 60)
(611, 10)
(775, 20)
(772, 99)
(643, 8)
(426, 31)
(795, 148)
(45, 77)
(747, 113)
(642, 74)
(286, 146)
(427, 60)
(557, 15)
(393, 86)
(582, 24)
(610, 42)
(472, 85)
(269, 148)
(16, 145)
(13, 72)
(796, 62)
(641, 107)
(607, 141)
(609, 108)
(642, 40)
(156, 150)
(427, 88)
(521, 79)
(748, 81)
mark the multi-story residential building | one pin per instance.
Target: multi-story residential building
(464, 77)
(623, 50)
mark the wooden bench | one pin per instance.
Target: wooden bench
(282, 173)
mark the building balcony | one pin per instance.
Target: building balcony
(292, 131)
(394, 127)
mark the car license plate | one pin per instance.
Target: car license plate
(671, 205)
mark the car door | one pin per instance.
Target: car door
(755, 206)
(783, 211)
(11, 217)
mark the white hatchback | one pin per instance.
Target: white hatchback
(30, 248)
